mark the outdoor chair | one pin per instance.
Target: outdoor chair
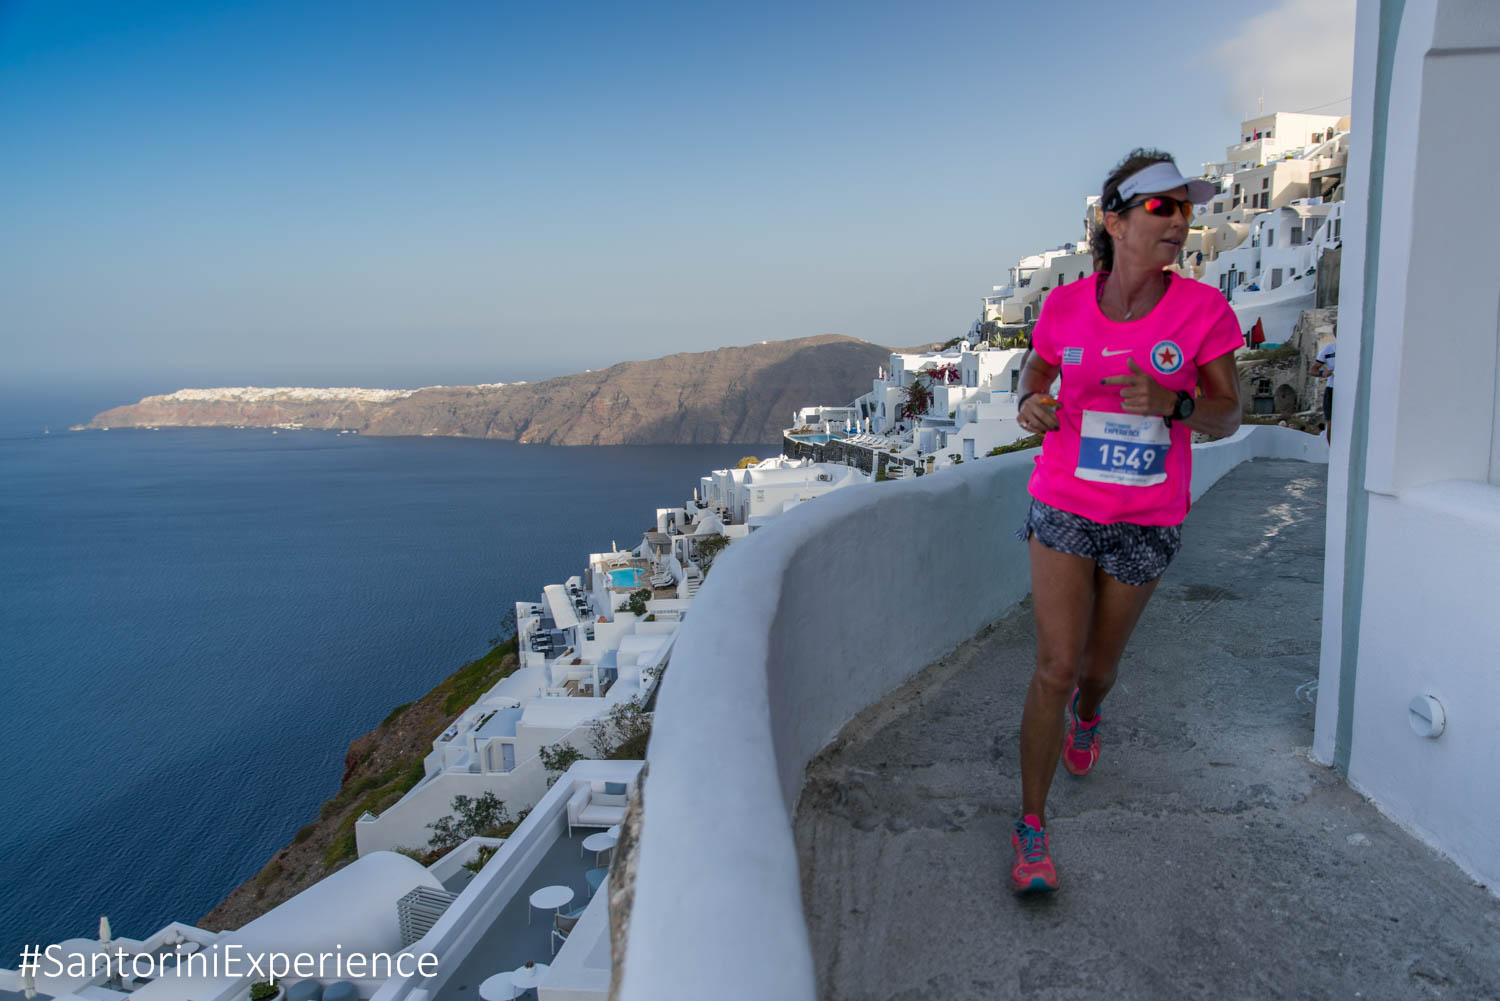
(595, 877)
(343, 990)
(563, 925)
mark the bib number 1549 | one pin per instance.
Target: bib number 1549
(1124, 449)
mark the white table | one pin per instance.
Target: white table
(500, 987)
(526, 978)
(550, 898)
(599, 843)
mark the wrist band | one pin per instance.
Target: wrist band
(1022, 401)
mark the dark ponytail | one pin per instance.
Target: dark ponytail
(1100, 241)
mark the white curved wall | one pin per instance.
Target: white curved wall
(821, 613)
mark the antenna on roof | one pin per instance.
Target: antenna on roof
(1261, 102)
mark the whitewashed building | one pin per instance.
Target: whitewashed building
(1407, 688)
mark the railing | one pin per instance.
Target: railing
(767, 677)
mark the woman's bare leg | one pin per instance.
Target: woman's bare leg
(1062, 596)
(1117, 609)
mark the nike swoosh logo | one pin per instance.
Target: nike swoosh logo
(1110, 354)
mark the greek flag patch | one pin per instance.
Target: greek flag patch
(1072, 356)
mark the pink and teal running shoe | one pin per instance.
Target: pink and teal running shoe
(1081, 743)
(1033, 871)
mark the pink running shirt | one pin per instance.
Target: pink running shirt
(1102, 463)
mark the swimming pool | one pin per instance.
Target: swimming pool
(817, 439)
(629, 577)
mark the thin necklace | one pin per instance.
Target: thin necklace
(1130, 310)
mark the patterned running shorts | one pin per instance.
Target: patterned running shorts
(1131, 554)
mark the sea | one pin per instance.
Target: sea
(194, 624)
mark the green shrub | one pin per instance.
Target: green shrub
(268, 875)
(483, 855)
(261, 990)
(1282, 352)
(391, 716)
(1030, 441)
(343, 847)
(482, 816)
(623, 732)
(557, 757)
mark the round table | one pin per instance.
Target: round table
(550, 898)
(599, 843)
(527, 978)
(500, 987)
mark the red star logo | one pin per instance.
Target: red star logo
(1168, 359)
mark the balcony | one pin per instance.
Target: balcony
(860, 759)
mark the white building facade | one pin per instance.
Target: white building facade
(1407, 686)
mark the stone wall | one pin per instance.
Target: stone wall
(1284, 383)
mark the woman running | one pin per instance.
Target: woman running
(1146, 358)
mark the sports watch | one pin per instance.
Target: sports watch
(1184, 408)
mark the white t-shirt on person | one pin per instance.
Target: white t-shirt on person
(1325, 357)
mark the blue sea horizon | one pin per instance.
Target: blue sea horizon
(197, 623)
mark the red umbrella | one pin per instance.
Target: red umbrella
(1257, 333)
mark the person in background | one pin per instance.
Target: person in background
(1145, 359)
(1321, 367)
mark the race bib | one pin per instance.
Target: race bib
(1126, 449)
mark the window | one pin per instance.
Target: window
(1338, 227)
(1236, 189)
(1296, 236)
(1265, 182)
(1062, 280)
(1015, 379)
(1218, 207)
(1080, 276)
(1270, 238)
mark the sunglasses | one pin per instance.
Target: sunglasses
(1160, 205)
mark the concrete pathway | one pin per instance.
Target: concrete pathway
(1205, 857)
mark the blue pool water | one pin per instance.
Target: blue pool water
(818, 439)
(628, 577)
(196, 623)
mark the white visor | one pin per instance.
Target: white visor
(1161, 177)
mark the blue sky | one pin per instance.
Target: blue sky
(396, 194)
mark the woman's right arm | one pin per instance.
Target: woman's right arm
(1036, 380)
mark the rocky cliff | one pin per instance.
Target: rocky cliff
(739, 394)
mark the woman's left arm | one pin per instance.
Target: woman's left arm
(1217, 411)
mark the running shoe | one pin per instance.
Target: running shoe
(1081, 744)
(1033, 871)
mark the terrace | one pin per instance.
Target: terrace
(868, 819)
(521, 933)
(492, 928)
